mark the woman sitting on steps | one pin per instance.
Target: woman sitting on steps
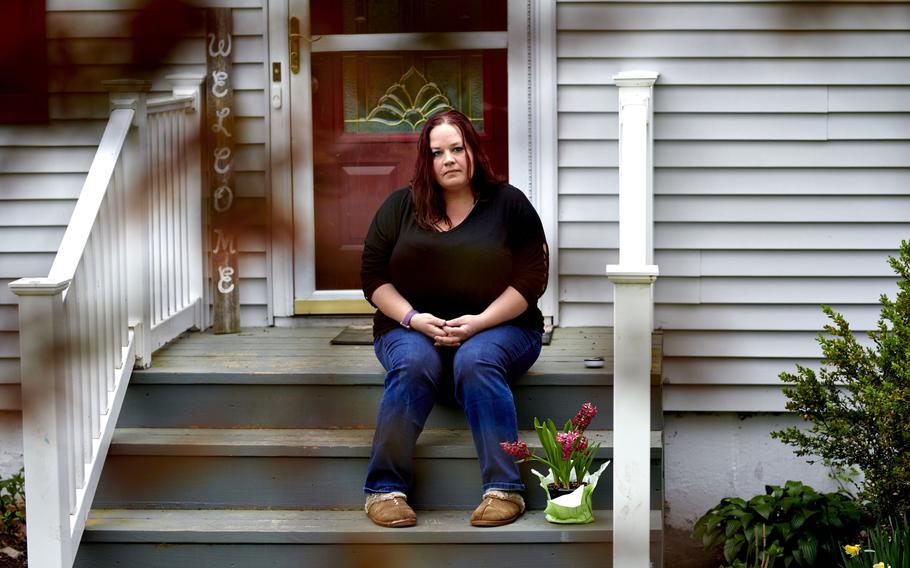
(455, 264)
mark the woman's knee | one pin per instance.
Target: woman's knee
(480, 373)
(413, 363)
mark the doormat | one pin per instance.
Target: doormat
(363, 335)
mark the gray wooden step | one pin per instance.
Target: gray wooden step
(251, 401)
(293, 378)
(341, 539)
(311, 468)
(257, 445)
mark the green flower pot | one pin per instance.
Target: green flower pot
(575, 507)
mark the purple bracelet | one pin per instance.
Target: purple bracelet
(406, 322)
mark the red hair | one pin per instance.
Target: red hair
(429, 205)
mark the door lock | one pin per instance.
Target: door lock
(294, 45)
(294, 37)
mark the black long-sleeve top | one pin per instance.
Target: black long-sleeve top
(501, 243)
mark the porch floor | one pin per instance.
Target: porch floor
(281, 351)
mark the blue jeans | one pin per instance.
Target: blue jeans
(478, 374)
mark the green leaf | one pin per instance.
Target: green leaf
(808, 547)
(763, 509)
(786, 503)
(711, 540)
(732, 548)
(746, 519)
(800, 517)
(783, 529)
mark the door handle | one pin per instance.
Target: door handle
(294, 37)
(294, 45)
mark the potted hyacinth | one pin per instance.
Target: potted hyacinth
(569, 455)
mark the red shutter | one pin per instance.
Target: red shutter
(23, 62)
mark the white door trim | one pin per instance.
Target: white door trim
(302, 164)
(281, 221)
(532, 122)
(544, 141)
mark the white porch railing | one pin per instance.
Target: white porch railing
(175, 212)
(136, 227)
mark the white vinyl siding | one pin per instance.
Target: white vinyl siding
(42, 167)
(782, 178)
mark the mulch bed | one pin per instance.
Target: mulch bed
(16, 543)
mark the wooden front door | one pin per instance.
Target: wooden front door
(369, 104)
(368, 109)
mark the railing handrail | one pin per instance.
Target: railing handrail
(171, 102)
(90, 198)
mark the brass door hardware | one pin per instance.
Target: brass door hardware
(294, 37)
(294, 44)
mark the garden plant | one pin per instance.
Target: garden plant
(12, 521)
(569, 455)
(792, 525)
(886, 546)
(566, 451)
(858, 404)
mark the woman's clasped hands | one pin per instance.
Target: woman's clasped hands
(451, 333)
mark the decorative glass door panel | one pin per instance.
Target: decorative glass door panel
(380, 98)
(368, 110)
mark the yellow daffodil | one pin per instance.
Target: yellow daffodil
(854, 550)
(880, 565)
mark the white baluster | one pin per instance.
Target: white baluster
(158, 226)
(120, 213)
(171, 215)
(83, 304)
(73, 378)
(182, 121)
(75, 468)
(99, 384)
(108, 329)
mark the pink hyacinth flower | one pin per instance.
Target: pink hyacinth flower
(584, 416)
(567, 440)
(582, 444)
(518, 450)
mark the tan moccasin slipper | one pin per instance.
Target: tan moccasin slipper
(390, 510)
(498, 508)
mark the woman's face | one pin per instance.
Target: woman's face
(452, 161)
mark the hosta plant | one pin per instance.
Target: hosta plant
(12, 504)
(789, 526)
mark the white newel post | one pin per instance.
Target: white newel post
(45, 420)
(129, 93)
(633, 309)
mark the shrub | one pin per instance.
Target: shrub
(788, 526)
(859, 403)
(12, 504)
